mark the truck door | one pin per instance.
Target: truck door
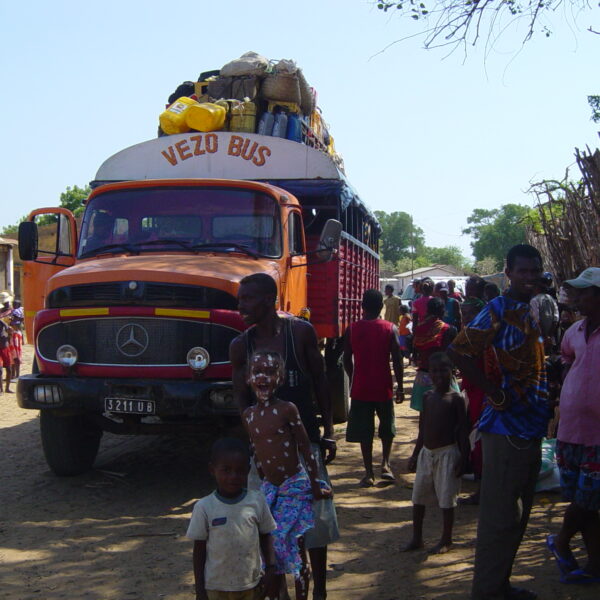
(296, 285)
(56, 250)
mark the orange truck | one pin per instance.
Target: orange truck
(132, 315)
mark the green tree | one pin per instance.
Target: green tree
(73, 198)
(448, 255)
(495, 231)
(486, 266)
(406, 264)
(387, 269)
(467, 22)
(11, 231)
(399, 236)
(594, 102)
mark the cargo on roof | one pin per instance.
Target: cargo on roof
(251, 94)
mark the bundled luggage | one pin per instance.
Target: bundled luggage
(250, 94)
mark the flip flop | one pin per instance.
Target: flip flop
(366, 482)
(579, 576)
(565, 565)
(387, 476)
(517, 593)
(472, 500)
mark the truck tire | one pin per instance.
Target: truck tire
(337, 380)
(70, 443)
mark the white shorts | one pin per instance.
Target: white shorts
(435, 477)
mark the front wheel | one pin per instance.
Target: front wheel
(70, 443)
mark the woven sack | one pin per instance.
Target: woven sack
(249, 63)
(284, 88)
(285, 67)
(220, 87)
(245, 87)
(306, 96)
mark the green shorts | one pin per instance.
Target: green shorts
(361, 421)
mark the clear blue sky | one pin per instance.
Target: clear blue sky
(432, 136)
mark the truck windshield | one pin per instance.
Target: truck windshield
(182, 218)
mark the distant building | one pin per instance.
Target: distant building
(383, 281)
(500, 279)
(447, 271)
(10, 280)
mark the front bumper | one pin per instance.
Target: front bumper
(174, 399)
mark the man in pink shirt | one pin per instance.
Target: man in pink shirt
(578, 444)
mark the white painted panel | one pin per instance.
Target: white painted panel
(218, 155)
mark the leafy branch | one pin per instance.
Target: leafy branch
(462, 22)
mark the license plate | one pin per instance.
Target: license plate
(129, 406)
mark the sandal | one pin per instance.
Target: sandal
(517, 593)
(472, 500)
(579, 576)
(565, 565)
(367, 481)
(387, 475)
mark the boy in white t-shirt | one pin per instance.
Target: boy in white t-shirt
(231, 529)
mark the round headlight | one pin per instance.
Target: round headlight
(198, 358)
(67, 355)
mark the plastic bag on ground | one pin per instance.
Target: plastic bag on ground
(549, 477)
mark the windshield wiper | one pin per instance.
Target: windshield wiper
(182, 244)
(239, 247)
(196, 247)
(107, 247)
(134, 248)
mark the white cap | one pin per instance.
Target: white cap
(588, 278)
(5, 297)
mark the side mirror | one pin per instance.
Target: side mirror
(28, 240)
(329, 240)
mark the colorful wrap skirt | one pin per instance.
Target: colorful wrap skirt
(291, 507)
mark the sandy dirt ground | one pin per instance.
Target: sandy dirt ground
(117, 532)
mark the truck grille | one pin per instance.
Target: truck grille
(145, 294)
(136, 341)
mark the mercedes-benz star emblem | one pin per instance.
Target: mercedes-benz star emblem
(132, 340)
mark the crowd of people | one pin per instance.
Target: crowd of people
(12, 319)
(482, 394)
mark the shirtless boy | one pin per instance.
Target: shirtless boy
(278, 437)
(441, 453)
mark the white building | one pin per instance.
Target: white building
(447, 271)
(7, 266)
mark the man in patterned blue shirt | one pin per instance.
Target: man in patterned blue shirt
(513, 421)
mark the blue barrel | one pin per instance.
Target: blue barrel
(265, 125)
(294, 128)
(280, 126)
